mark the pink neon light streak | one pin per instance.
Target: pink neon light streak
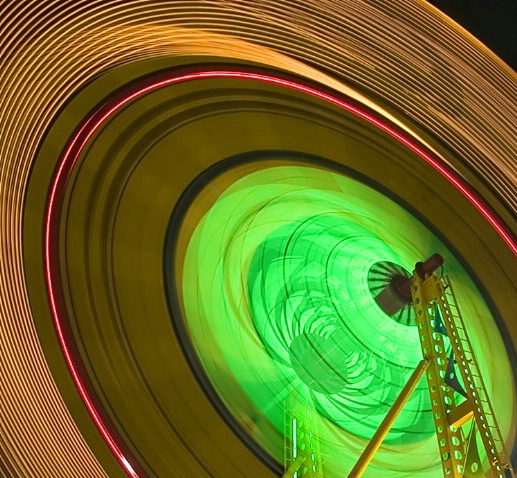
(81, 138)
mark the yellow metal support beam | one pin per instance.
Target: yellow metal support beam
(294, 467)
(477, 394)
(425, 292)
(461, 414)
(303, 458)
(388, 421)
(433, 295)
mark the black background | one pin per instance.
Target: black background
(494, 22)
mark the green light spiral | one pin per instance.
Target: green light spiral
(307, 280)
(276, 297)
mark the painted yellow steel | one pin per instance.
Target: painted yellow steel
(294, 467)
(389, 420)
(460, 414)
(435, 293)
(478, 399)
(303, 458)
(424, 293)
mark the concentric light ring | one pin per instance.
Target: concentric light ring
(92, 125)
(405, 60)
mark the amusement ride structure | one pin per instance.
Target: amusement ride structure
(208, 216)
(461, 405)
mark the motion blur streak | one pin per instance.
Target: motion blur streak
(406, 54)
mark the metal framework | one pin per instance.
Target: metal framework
(302, 448)
(459, 398)
(439, 322)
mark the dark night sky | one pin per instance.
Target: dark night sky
(494, 22)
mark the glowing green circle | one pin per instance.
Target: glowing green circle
(285, 251)
(310, 277)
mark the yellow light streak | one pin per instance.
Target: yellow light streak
(410, 57)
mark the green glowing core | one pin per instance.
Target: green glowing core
(276, 293)
(314, 312)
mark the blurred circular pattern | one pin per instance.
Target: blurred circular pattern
(275, 296)
(128, 396)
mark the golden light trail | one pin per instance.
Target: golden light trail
(405, 60)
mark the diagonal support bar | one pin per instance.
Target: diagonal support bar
(461, 414)
(294, 467)
(388, 421)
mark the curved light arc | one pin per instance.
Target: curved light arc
(92, 125)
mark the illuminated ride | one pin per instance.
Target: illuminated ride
(195, 194)
(269, 254)
(454, 404)
(331, 328)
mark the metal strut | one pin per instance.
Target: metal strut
(441, 329)
(302, 449)
(438, 317)
(388, 421)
